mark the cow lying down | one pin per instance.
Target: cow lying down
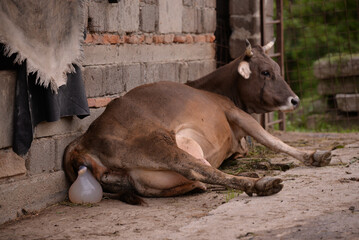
(165, 139)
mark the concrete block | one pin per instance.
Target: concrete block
(41, 156)
(243, 7)
(128, 15)
(61, 143)
(182, 72)
(208, 20)
(116, 17)
(170, 16)
(155, 72)
(348, 102)
(31, 194)
(148, 18)
(188, 3)
(198, 69)
(338, 85)
(112, 54)
(11, 164)
(103, 80)
(149, 1)
(132, 76)
(337, 66)
(67, 125)
(151, 72)
(112, 81)
(189, 20)
(247, 22)
(199, 20)
(210, 3)
(7, 99)
(167, 72)
(174, 72)
(97, 16)
(198, 3)
(93, 77)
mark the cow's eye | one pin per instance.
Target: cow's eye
(265, 73)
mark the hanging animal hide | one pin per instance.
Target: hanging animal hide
(46, 33)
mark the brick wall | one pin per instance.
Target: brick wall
(129, 43)
(136, 42)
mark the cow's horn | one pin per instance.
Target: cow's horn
(269, 45)
(249, 52)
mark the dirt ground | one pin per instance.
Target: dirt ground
(315, 203)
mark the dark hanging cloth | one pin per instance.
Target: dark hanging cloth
(35, 103)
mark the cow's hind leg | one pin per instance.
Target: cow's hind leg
(177, 160)
(181, 162)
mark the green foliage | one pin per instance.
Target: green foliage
(313, 29)
(232, 193)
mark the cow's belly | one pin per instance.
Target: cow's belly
(211, 147)
(154, 183)
(154, 179)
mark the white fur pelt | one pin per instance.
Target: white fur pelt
(46, 33)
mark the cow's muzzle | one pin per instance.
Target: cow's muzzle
(292, 104)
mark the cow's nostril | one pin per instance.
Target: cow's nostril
(294, 101)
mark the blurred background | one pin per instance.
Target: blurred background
(318, 49)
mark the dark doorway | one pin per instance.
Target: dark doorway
(223, 32)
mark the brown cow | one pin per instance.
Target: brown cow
(166, 139)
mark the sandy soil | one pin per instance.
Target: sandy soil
(316, 203)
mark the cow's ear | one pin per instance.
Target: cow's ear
(244, 70)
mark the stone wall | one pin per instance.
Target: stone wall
(129, 43)
(245, 22)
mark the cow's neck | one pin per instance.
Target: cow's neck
(222, 81)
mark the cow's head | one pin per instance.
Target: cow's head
(261, 86)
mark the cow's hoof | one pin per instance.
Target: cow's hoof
(321, 158)
(267, 186)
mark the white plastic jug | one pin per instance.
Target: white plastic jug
(86, 189)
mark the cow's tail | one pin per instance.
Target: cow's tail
(69, 161)
(74, 157)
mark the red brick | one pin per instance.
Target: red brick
(189, 38)
(113, 39)
(179, 39)
(97, 39)
(106, 39)
(133, 39)
(199, 38)
(141, 38)
(121, 39)
(158, 39)
(89, 38)
(148, 39)
(210, 38)
(168, 38)
(98, 102)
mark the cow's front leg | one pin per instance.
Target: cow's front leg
(249, 125)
